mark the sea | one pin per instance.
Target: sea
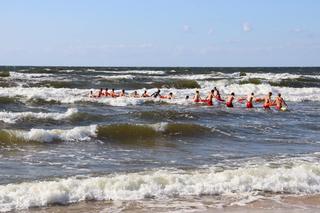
(63, 151)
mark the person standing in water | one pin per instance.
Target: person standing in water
(250, 99)
(145, 94)
(100, 93)
(230, 100)
(106, 93)
(135, 94)
(113, 94)
(122, 93)
(280, 102)
(197, 97)
(267, 101)
(156, 94)
(216, 94)
(209, 98)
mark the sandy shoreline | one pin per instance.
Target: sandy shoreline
(282, 204)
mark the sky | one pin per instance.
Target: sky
(160, 32)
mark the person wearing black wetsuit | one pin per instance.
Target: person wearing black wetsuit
(156, 94)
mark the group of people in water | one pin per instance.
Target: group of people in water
(213, 95)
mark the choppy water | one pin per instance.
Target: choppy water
(58, 146)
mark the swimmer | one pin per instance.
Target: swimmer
(280, 102)
(209, 98)
(216, 94)
(100, 93)
(267, 101)
(156, 94)
(250, 100)
(187, 97)
(197, 97)
(113, 94)
(145, 94)
(170, 96)
(106, 93)
(230, 99)
(91, 95)
(122, 93)
(135, 94)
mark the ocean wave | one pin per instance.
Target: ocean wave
(82, 133)
(279, 76)
(300, 178)
(13, 117)
(116, 76)
(29, 76)
(147, 72)
(114, 132)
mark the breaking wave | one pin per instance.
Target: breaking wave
(300, 178)
(13, 117)
(117, 132)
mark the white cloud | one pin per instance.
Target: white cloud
(186, 28)
(246, 27)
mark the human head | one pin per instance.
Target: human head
(252, 93)
(187, 97)
(170, 93)
(279, 94)
(212, 91)
(270, 93)
(232, 93)
(197, 91)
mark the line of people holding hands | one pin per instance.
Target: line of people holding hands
(213, 95)
(278, 102)
(135, 94)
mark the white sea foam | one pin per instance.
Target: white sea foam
(12, 117)
(302, 178)
(278, 76)
(116, 76)
(159, 127)
(23, 76)
(147, 72)
(81, 133)
(49, 94)
(65, 95)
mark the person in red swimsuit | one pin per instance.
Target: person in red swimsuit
(267, 101)
(230, 99)
(106, 93)
(249, 103)
(197, 97)
(209, 98)
(280, 102)
(216, 94)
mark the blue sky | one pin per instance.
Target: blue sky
(160, 32)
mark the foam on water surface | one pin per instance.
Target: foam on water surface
(302, 178)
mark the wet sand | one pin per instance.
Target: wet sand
(280, 204)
